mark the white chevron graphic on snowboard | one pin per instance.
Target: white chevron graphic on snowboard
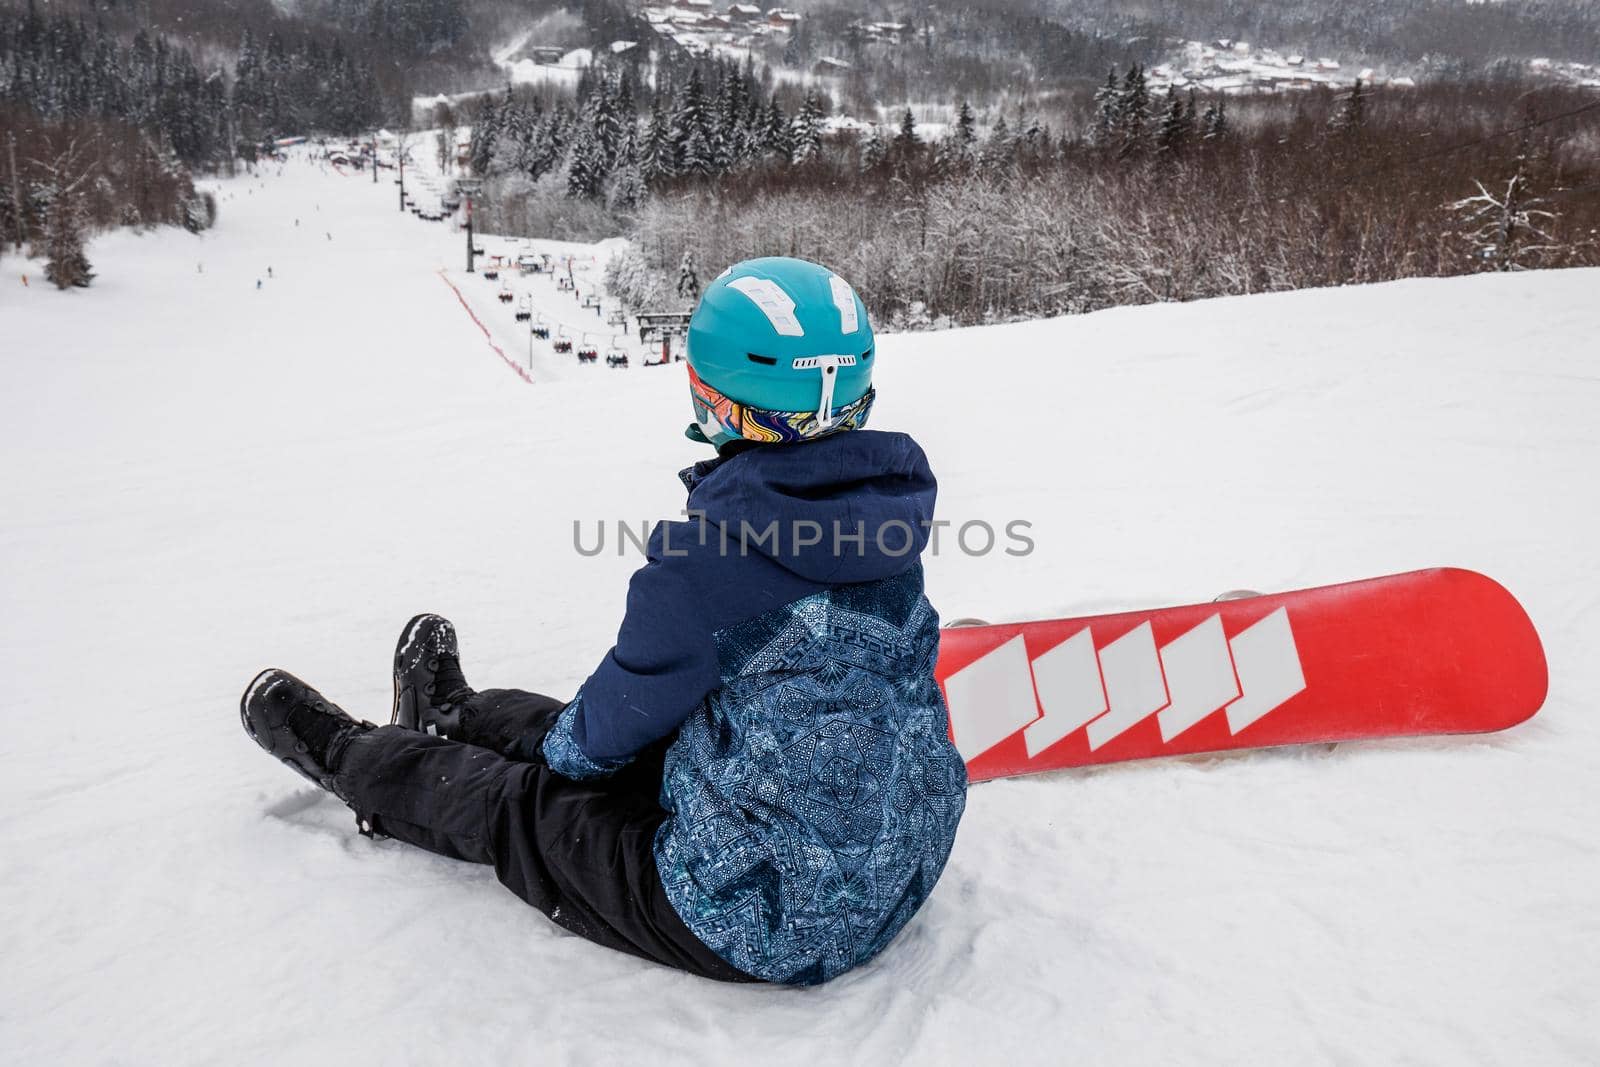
(1072, 687)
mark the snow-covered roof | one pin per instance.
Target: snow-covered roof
(744, 9)
(619, 47)
(846, 123)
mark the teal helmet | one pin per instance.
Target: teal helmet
(779, 350)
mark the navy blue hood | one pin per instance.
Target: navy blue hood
(866, 495)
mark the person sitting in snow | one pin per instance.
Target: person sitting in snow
(757, 783)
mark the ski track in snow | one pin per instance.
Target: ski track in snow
(204, 480)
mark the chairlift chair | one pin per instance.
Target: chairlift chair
(524, 308)
(588, 352)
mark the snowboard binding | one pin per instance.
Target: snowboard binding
(429, 688)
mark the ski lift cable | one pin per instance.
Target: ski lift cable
(1475, 142)
(1593, 187)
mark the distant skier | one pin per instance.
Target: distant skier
(269, 272)
(757, 783)
(258, 283)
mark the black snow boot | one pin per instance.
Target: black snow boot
(429, 688)
(297, 724)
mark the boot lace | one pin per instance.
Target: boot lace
(449, 683)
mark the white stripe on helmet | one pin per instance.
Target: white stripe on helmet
(845, 300)
(776, 304)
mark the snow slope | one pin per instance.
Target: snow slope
(203, 479)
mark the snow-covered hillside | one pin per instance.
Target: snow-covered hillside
(204, 478)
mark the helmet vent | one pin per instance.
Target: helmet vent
(765, 361)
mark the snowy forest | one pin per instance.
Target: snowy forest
(1149, 196)
(106, 128)
(1052, 188)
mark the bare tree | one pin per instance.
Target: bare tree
(1507, 231)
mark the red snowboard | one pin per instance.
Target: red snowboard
(1431, 652)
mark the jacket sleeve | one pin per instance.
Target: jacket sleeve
(663, 665)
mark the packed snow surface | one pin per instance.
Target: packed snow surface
(203, 478)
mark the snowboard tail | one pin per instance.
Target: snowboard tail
(1429, 652)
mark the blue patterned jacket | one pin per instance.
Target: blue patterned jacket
(782, 634)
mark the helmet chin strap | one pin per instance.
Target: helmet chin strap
(830, 374)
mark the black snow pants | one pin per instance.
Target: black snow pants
(581, 852)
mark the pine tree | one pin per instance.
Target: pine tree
(586, 164)
(625, 106)
(66, 265)
(1172, 136)
(1215, 127)
(999, 150)
(966, 131)
(1107, 108)
(688, 279)
(807, 131)
(776, 136)
(1133, 113)
(906, 142)
(1030, 137)
(874, 150)
(691, 141)
(628, 189)
(731, 141)
(959, 145)
(66, 173)
(697, 155)
(611, 125)
(655, 155)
